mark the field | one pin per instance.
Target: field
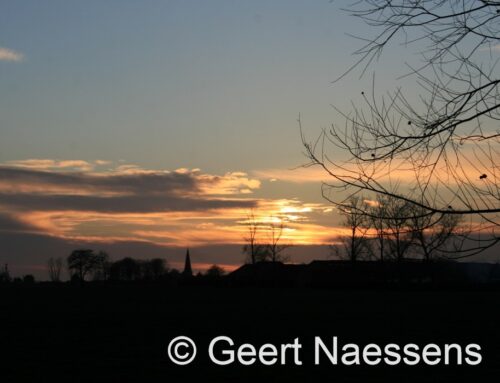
(120, 333)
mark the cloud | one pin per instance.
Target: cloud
(408, 174)
(118, 204)
(490, 48)
(41, 185)
(371, 203)
(9, 224)
(49, 207)
(102, 162)
(46, 177)
(94, 202)
(47, 164)
(316, 174)
(10, 55)
(298, 175)
(229, 183)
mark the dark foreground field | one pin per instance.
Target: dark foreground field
(120, 333)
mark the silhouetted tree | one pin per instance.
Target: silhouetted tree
(397, 224)
(28, 279)
(431, 238)
(447, 145)
(274, 246)
(355, 245)
(55, 267)
(174, 276)
(215, 271)
(101, 269)
(255, 250)
(127, 269)
(154, 269)
(84, 262)
(377, 216)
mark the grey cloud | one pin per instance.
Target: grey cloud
(119, 204)
(9, 224)
(144, 183)
(138, 192)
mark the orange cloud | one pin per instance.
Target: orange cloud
(184, 207)
(190, 228)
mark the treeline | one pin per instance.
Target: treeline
(89, 265)
(393, 229)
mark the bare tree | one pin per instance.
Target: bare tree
(397, 226)
(84, 262)
(274, 246)
(355, 245)
(252, 247)
(376, 216)
(430, 239)
(55, 267)
(439, 154)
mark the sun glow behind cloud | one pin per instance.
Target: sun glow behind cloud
(94, 201)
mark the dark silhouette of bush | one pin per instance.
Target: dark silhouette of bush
(215, 271)
(29, 279)
(75, 279)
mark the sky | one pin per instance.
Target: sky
(145, 127)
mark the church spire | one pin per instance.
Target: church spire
(188, 272)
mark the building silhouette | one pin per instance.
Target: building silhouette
(188, 272)
(343, 273)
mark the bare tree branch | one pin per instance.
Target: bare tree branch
(440, 155)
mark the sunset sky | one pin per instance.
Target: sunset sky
(145, 127)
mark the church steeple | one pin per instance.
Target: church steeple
(188, 272)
